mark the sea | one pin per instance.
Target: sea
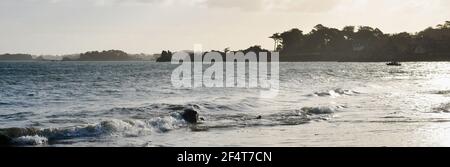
(134, 104)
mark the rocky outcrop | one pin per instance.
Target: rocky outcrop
(190, 116)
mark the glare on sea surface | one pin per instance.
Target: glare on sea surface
(439, 76)
(438, 133)
(435, 135)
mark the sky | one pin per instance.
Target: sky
(57, 27)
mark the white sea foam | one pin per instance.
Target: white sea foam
(164, 124)
(112, 127)
(336, 93)
(136, 127)
(30, 140)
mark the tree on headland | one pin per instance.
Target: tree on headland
(277, 41)
(166, 56)
(446, 25)
(226, 50)
(289, 39)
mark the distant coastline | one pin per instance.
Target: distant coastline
(109, 55)
(167, 55)
(10, 57)
(351, 44)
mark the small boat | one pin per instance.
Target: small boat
(393, 63)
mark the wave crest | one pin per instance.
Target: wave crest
(336, 93)
(319, 110)
(113, 127)
(30, 140)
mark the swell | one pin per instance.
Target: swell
(112, 127)
(162, 123)
(290, 118)
(17, 116)
(335, 93)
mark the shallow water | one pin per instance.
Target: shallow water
(134, 104)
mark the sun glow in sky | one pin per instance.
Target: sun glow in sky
(149, 26)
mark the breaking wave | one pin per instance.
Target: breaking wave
(321, 110)
(30, 140)
(164, 108)
(335, 93)
(152, 111)
(298, 117)
(162, 118)
(445, 108)
(113, 127)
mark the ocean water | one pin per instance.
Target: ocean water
(134, 104)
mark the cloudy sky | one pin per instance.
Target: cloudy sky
(148, 26)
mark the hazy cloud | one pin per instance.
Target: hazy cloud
(258, 5)
(276, 5)
(245, 5)
(66, 26)
(297, 6)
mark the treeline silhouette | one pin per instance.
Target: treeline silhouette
(356, 44)
(109, 55)
(166, 56)
(15, 57)
(363, 44)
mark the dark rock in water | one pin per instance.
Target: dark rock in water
(190, 116)
(259, 117)
(5, 140)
